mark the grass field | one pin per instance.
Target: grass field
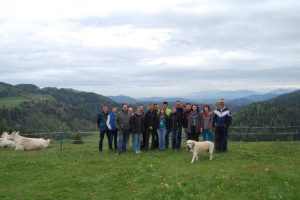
(262, 170)
(10, 102)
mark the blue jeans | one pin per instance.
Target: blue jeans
(122, 141)
(207, 136)
(162, 138)
(175, 139)
(137, 141)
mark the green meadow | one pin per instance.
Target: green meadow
(10, 102)
(254, 170)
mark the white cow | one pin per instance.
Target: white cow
(4, 142)
(24, 143)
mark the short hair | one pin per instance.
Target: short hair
(187, 104)
(178, 101)
(123, 104)
(104, 105)
(165, 102)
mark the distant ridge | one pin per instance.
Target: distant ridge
(283, 110)
(28, 108)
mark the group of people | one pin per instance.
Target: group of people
(161, 123)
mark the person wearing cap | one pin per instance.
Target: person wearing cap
(221, 121)
(207, 119)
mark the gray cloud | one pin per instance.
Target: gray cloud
(230, 45)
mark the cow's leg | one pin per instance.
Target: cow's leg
(20, 148)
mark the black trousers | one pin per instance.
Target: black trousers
(102, 133)
(179, 136)
(114, 138)
(193, 135)
(221, 139)
(153, 134)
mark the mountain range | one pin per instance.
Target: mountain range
(32, 109)
(282, 112)
(236, 98)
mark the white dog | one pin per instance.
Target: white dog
(197, 147)
(4, 142)
(24, 143)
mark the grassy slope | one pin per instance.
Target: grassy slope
(249, 171)
(10, 102)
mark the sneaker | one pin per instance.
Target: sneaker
(137, 152)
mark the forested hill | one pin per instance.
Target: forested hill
(283, 110)
(28, 108)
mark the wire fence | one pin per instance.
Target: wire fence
(246, 134)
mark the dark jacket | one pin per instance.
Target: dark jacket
(198, 122)
(101, 121)
(150, 119)
(122, 121)
(137, 123)
(175, 121)
(185, 119)
(180, 112)
(222, 118)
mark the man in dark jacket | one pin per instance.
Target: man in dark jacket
(101, 122)
(221, 122)
(174, 126)
(150, 126)
(122, 123)
(179, 111)
(185, 119)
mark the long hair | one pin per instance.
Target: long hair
(160, 113)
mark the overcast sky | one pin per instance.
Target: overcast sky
(151, 48)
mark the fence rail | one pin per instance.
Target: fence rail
(246, 134)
